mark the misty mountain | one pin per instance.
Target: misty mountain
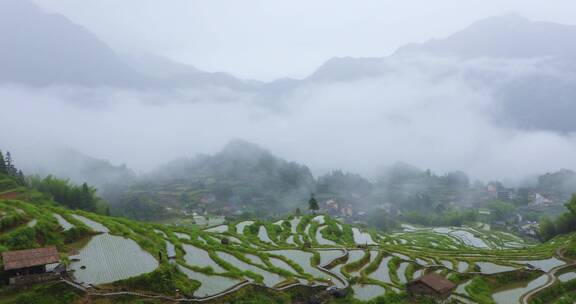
(81, 168)
(528, 67)
(245, 163)
(168, 73)
(42, 49)
(508, 36)
(241, 177)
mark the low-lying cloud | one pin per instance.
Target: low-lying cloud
(432, 117)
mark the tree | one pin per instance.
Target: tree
(3, 168)
(20, 178)
(501, 210)
(10, 169)
(298, 212)
(571, 205)
(547, 229)
(313, 204)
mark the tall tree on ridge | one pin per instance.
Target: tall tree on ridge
(313, 204)
(3, 168)
(11, 170)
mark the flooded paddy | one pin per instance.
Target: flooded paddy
(512, 294)
(283, 265)
(63, 222)
(108, 258)
(210, 284)
(200, 258)
(241, 225)
(95, 226)
(491, 268)
(462, 266)
(218, 229)
(402, 272)
(367, 292)
(202, 220)
(263, 235)
(170, 249)
(321, 240)
(565, 277)
(362, 238)
(545, 265)
(382, 273)
(160, 232)
(357, 256)
(270, 279)
(418, 273)
(319, 219)
(294, 224)
(461, 289)
(183, 236)
(301, 258)
(327, 256)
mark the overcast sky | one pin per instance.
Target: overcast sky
(267, 39)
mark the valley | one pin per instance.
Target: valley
(110, 257)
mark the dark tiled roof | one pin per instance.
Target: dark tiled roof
(30, 257)
(436, 282)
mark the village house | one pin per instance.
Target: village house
(32, 265)
(431, 285)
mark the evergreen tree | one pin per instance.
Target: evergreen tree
(3, 169)
(85, 197)
(10, 169)
(298, 212)
(20, 177)
(313, 204)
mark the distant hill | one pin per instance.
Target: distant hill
(80, 168)
(42, 49)
(242, 177)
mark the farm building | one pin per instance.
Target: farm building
(31, 265)
(431, 285)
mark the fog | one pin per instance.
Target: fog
(434, 118)
(272, 39)
(493, 99)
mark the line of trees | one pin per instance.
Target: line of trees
(70, 195)
(7, 168)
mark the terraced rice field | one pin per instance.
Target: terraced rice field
(218, 229)
(240, 226)
(118, 252)
(95, 226)
(270, 279)
(211, 284)
(200, 258)
(512, 295)
(63, 222)
(108, 258)
(362, 238)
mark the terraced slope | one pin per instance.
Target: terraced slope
(116, 254)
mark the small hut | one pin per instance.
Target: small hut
(31, 265)
(430, 285)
